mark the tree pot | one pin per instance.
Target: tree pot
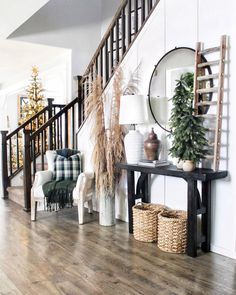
(179, 164)
(188, 166)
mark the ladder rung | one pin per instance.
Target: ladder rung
(209, 50)
(208, 77)
(209, 157)
(210, 129)
(211, 143)
(207, 116)
(208, 63)
(207, 90)
(207, 103)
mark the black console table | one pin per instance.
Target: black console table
(196, 204)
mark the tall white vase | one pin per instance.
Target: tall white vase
(107, 216)
(133, 142)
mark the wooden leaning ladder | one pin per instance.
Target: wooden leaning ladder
(201, 90)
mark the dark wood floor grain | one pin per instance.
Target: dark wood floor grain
(55, 255)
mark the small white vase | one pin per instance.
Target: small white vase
(107, 215)
(188, 166)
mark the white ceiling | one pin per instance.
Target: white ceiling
(17, 58)
(14, 13)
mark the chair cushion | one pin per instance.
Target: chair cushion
(67, 168)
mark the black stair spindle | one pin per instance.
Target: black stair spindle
(73, 126)
(136, 16)
(106, 61)
(17, 151)
(41, 139)
(111, 50)
(117, 40)
(101, 62)
(123, 34)
(10, 156)
(58, 137)
(143, 10)
(129, 22)
(149, 5)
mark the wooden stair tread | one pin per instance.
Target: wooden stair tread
(16, 194)
(15, 189)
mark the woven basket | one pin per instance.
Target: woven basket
(172, 231)
(145, 221)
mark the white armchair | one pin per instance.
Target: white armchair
(83, 191)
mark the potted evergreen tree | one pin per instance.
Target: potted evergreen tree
(188, 132)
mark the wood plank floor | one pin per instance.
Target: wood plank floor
(57, 256)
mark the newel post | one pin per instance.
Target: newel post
(27, 170)
(50, 114)
(5, 178)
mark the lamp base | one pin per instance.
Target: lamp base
(133, 142)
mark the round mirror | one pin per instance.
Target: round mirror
(163, 82)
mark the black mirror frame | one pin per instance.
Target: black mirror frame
(150, 82)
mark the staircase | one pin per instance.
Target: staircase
(61, 123)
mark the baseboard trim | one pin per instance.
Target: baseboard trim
(223, 251)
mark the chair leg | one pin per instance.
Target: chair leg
(81, 211)
(33, 210)
(90, 206)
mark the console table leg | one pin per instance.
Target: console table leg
(206, 217)
(146, 189)
(192, 218)
(131, 198)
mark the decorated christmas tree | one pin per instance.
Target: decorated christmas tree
(35, 104)
(36, 98)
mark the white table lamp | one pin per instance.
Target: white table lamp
(132, 112)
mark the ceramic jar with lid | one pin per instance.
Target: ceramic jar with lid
(151, 146)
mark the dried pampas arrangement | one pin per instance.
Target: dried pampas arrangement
(109, 140)
(108, 143)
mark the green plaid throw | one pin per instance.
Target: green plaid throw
(67, 168)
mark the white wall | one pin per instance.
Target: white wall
(108, 9)
(183, 23)
(56, 81)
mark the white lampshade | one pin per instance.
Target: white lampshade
(132, 109)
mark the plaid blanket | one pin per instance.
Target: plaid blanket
(59, 194)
